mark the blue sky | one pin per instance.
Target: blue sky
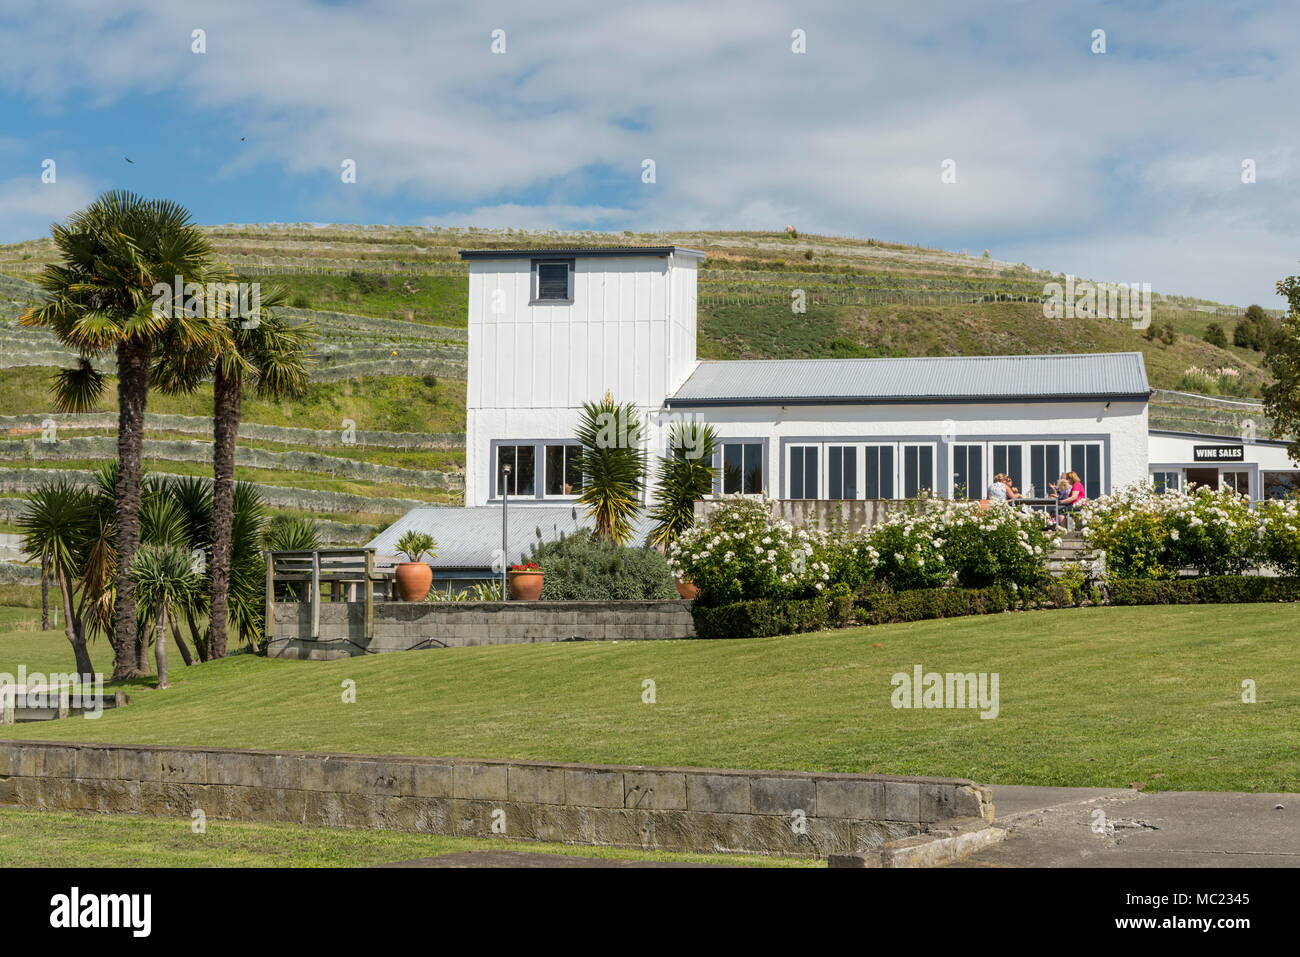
(1121, 166)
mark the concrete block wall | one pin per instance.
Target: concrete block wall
(401, 626)
(655, 808)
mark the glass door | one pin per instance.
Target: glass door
(1085, 460)
(1009, 458)
(802, 469)
(968, 471)
(1044, 469)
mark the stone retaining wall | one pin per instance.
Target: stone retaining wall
(671, 809)
(402, 626)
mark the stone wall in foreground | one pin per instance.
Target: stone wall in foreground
(670, 809)
(403, 626)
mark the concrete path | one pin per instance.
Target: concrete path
(1119, 827)
(1070, 827)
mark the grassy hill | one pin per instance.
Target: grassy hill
(390, 306)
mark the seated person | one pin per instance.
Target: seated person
(1074, 492)
(1001, 489)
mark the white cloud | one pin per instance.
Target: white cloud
(1122, 163)
(28, 206)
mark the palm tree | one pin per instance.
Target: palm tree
(272, 355)
(247, 563)
(686, 475)
(56, 525)
(613, 466)
(163, 576)
(100, 299)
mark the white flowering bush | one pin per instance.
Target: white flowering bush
(741, 553)
(962, 543)
(1217, 533)
(1128, 527)
(1146, 534)
(1279, 522)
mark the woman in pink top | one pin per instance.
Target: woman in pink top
(1076, 496)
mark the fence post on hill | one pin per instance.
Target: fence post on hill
(315, 595)
(270, 596)
(370, 594)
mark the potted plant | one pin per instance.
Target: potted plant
(414, 576)
(526, 581)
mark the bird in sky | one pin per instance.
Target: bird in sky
(129, 160)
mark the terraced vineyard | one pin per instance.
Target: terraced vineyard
(382, 428)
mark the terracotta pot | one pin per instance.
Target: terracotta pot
(413, 580)
(526, 585)
(686, 589)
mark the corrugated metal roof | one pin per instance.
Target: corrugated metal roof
(1107, 375)
(543, 252)
(468, 537)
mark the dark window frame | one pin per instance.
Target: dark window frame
(535, 282)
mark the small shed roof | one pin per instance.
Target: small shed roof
(572, 252)
(469, 537)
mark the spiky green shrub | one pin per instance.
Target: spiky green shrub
(581, 567)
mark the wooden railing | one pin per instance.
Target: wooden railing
(306, 573)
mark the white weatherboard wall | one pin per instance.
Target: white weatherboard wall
(629, 330)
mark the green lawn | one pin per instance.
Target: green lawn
(56, 839)
(1094, 696)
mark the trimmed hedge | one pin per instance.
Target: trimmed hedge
(923, 603)
(1212, 589)
(765, 617)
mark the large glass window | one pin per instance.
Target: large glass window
(918, 470)
(523, 469)
(1280, 484)
(563, 470)
(1166, 481)
(1238, 482)
(968, 471)
(1085, 459)
(878, 471)
(803, 471)
(1044, 468)
(742, 468)
(841, 471)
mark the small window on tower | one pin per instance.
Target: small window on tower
(554, 281)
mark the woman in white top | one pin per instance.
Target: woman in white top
(1000, 489)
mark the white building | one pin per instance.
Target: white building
(550, 329)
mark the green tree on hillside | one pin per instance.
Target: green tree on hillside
(100, 300)
(1282, 396)
(1215, 335)
(1255, 330)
